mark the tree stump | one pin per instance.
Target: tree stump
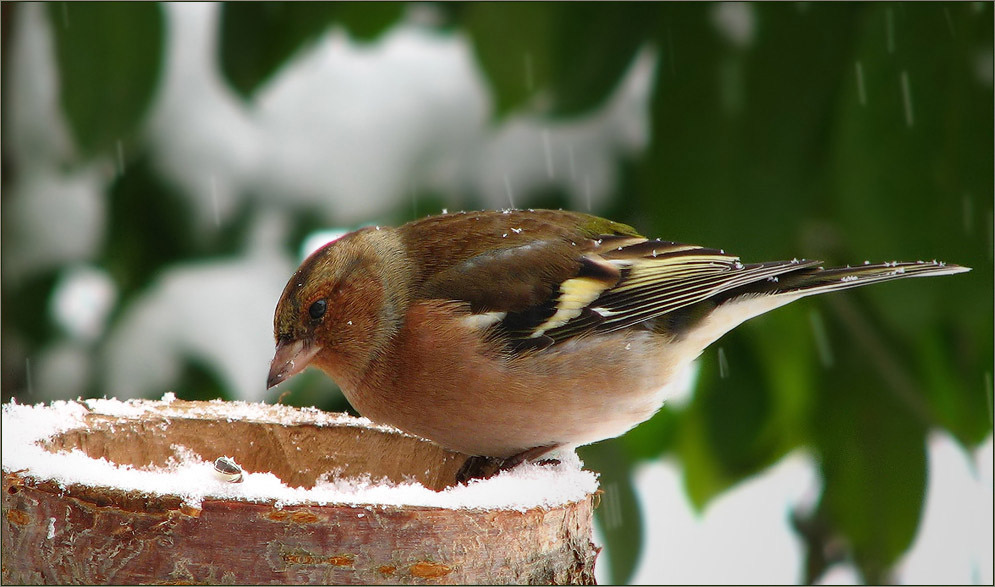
(103, 491)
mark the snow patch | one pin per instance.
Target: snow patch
(194, 479)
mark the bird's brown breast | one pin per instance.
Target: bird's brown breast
(442, 380)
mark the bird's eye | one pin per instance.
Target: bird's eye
(317, 309)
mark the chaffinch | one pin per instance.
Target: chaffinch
(508, 334)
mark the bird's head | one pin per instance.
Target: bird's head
(341, 306)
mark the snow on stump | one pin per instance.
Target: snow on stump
(104, 491)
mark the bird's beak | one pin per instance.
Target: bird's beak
(291, 358)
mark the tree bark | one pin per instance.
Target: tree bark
(87, 534)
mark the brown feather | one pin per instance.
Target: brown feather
(494, 333)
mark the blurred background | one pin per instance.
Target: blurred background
(167, 166)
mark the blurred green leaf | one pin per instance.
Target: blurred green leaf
(311, 388)
(958, 403)
(201, 381)
(755, 386)
(912, 149)
(795, 352)
(109, 57)
(703, 475)
(654, 437)
(772, 154)
(512, 44)
(723, 432)
(572, 55)
(595, 43)
(368, 20)
(257, 38)
(735, 404)
(911, 163)
(619, 515)
(911, 160)
(743, 128)
(26, 308)
(149, 226)
(874, 463)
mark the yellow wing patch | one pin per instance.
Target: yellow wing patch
(575, 295)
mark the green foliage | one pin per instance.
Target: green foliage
(512, 46)
(200, 382)
(258, 37)
(109, 56)
(873, 455)
(618, 516)
(311, 388)
(569, 55)
(150, 226)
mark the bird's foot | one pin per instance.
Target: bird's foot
(478, 467)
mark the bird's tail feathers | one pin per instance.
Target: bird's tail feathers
(816, 280)
(739, 304)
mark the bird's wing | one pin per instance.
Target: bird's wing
(656, 278)
(537, 279)
(684, 282)
(542, 277)
(508, 261)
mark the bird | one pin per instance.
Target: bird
(507, 335)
